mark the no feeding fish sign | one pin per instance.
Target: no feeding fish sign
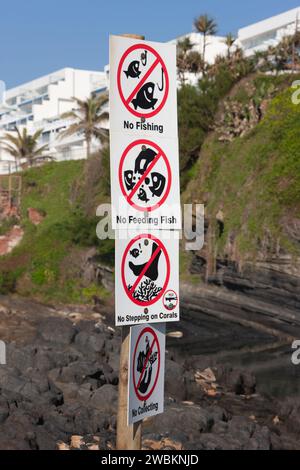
(147, 282)
(145, 183)
(146, 372)
(143, 95)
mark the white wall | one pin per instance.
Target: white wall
(269, 32)
(60, 88)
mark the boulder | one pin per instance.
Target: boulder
(105, 399)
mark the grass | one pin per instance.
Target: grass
(38, 266)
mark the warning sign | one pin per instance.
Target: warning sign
(143, 87)
(145, 183)
(143, 81)
(144, 276)
(146, 378)
(145, 175)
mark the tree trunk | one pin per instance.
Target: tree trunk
(88, 147)
(203, 52)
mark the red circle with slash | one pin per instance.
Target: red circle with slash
(136, 383)
(172, 292)
(158, 61)
(130, 292)
(160, 154)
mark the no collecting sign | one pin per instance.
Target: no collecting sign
(146, 372)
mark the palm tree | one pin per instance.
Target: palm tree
(208, 27)
(88, 118)
(24, 146)
(184, 46)
(229, 41)
(194, 62)
(187, 59)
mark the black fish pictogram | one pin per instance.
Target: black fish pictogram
(143, 160)
(144, 98)
(152, 271)
(135, 253)
(133, 70)
(158, 184)
(142, 195)
(129, 181)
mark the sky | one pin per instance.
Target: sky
(38, 37)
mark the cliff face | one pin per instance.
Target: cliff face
(243, 287)
(251, 185)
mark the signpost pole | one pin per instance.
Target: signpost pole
(142, 105)
(128, 437)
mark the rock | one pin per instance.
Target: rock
(3, 413)
(12, 239)
(76, 442)
(105, 399)
(186, 419)
(175, 385)
(236, 380)
(260, 440)
(35, 216)
(62, 446)
(90, 342)
(161, 444)
(61, 381)
(290, 413)
(44, 440)
(57, 331)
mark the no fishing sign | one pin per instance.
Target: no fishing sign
(143, 95)
(146, 372)
(147, 278)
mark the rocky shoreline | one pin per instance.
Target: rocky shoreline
(59, 388)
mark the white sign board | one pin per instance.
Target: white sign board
(143, 93)
(146, 371)
(144, 135)
(145, 183)
(147, 278)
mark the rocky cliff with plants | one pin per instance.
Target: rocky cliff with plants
(240, 294)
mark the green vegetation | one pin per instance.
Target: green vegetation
(87, 120)
(25, 147)
(7, 225)
(254, 180)
(46, 263)
(197, 107)
(239, 155)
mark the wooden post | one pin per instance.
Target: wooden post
(128, 437)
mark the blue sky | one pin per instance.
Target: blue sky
(38, 37)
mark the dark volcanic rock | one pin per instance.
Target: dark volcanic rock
(105, 399)
(57, 330)
(289, 411)
(189, 420)
(236, 380)
(63, 382)
(175, 385)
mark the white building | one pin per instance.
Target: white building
(40, 103)
(269, 32)
(215, 46)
